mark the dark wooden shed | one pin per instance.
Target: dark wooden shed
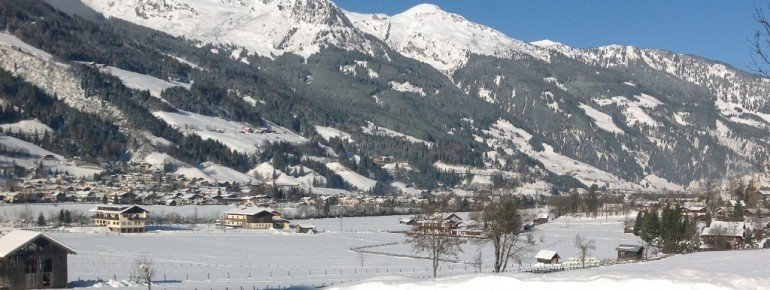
(629, 252)
(32, 260)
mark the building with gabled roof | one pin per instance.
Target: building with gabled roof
(121, 219)
(252, 217)
(547, 257)
(629, 252)
(32, 260)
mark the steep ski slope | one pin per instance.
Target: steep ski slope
(268, 28)
(443, 40)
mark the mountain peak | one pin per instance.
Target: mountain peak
(546, 43)
(441, 39)
(267, 28)
(424, 8)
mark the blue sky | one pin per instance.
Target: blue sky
(710, 28)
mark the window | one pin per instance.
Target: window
(47, 265)
(30, 266)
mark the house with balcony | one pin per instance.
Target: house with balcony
(120, 219)
(252, 217)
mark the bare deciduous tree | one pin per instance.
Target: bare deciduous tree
(502, 227)
(760, 43)
(429, 235)
(478, 261)
(585, 246)
(143, 270)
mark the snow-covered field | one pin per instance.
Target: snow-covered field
(708, 270)
(212, 258)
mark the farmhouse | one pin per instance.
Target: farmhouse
(547, 257)
(541, 219)
(251, 217)
(629, 252)
(121, 219)
(722, 235)
(439, 223)
(32, 260)
(305, 228)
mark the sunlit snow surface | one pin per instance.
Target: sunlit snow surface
(204, 258)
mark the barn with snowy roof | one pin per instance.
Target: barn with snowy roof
(32, 260)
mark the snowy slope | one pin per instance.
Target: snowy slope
(27, 127)
(440, 39)
(16, 145)
(139, 81)
(601, 119)
(329, 133)
(222, 173)
(56, 79)
(37, 154)
(268, 28)
(14, 42)
(230, 133)
(504, 133)
(351, 177)
(372, 129)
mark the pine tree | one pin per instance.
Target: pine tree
(41, 219)
(671, 229)
(67, 217)
(61, 216)
(650, 227)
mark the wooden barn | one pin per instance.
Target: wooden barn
(629, 252)
(547, 257)
(32, 260)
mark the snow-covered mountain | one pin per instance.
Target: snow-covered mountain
(730, 85)
(268, 28)
(443, 40)
(463, 97)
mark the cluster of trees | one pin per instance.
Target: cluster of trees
(74, 133)
(667, 229)
(589, 202)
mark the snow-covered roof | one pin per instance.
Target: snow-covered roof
(250, 210)
(628, 248)
(546, 255)
(306, 226)
(720, 228)
(543, 215)
(12, 241)
(115, 209)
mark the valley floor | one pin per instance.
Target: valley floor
(212, 258)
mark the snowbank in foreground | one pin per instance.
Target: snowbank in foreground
(717, 270)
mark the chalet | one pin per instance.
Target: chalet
(305, 228)
(250, 217)
(439, 223)
(468, 228)
(541, 219)
(121, 219)
(629, 252)
(408, 221)
(697, 212)
(722, 235)
(32, 260)
(547, 257)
